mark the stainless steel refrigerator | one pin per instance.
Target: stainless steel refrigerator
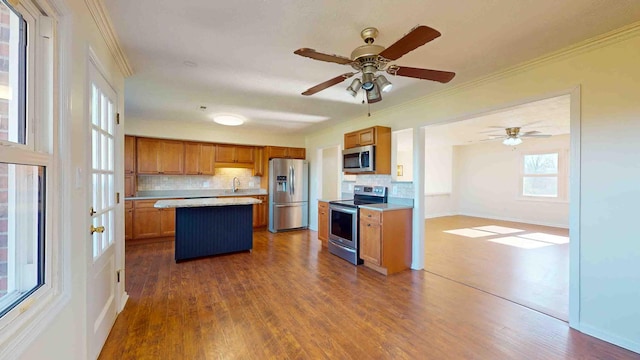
(288, 194)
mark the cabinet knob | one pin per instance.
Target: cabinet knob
(369, 225)
(369, 215)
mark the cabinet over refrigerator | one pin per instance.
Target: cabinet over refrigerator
(288, 194)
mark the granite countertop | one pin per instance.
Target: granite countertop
(171, 194)
(202, 202)
(386, 207)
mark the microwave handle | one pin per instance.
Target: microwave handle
(360, 160)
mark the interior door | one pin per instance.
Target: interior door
(101, 279)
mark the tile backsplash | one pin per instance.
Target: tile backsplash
(395, 188)
(221, 180)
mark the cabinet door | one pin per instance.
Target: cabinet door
(207, 159)
(258, 162)
(172, 157)
(366, 137)
(191, 158)
(256, 215)
(147, 155)
(167, 222)
(225, 153)
(129, 185)
(350, 140)
(264, 211)
(128, 220)
(129, 154)
(147, 222)
(297, 153)
(370, 241)
(323, 221)
(244, 154)
(277, 152)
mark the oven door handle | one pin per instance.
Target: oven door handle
(343, 209)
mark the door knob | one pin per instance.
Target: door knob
(99, 229)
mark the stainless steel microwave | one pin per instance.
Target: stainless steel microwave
(359, 159)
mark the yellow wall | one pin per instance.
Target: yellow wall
(608, 75)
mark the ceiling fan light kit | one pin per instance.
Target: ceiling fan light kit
(228, 119)
(368, 59)
(512, 141)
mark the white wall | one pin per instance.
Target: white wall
(608, 274)
(402, 154)
(487, 182)
(186, 130)
(330, 173)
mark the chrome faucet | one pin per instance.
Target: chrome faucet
(235, 183)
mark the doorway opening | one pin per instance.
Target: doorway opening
(497, 203)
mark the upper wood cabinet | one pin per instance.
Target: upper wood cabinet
(285, 152)
(378, 136)
(234, 154)
(199, 158)
(360, 138)
(157, 156)
(129, 154)
(258, 163)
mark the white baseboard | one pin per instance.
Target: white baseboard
(123, 301)
(610, 338)
(542, 223)
(437, 215)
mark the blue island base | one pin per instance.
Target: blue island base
(213, 230)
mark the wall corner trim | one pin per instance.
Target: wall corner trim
(105, 27)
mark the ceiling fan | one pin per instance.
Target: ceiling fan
(514, 137)
(369, 59)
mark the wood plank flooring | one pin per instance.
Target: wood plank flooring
(290, 299)
(537, 278)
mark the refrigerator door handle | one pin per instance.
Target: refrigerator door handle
(293, 180)
(288, 205)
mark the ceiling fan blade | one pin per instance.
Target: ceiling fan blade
(310, 53)
(424, 74)
(536, 135)
(336, 80)
(530, 133)
(418, 36)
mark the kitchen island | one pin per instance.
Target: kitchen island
(211, 226)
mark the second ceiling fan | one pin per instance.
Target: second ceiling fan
(369, 59)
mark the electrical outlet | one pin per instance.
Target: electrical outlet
(251, 184)
(350, 187)
(394, 190)
(205, 184)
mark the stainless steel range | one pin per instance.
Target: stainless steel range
(344, 237)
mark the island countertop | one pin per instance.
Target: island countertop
(202, 202)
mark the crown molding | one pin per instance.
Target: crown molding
(105, 27)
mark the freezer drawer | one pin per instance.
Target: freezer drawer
(288, 216)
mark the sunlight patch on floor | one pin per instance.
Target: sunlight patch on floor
(520, 242)
(554, 239)
(498, 229)
(471, 233)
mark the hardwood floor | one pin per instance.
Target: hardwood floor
(290, 299)
(537, 278)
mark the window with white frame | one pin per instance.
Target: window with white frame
(544, 175)
(25, 161)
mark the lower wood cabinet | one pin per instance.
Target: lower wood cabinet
(385, 239)
(149, 222)
(261, 211)
(323, 222)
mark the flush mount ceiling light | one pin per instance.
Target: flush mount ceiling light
(228, 120)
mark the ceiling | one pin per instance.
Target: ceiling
(244, 62)
(549, 116)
